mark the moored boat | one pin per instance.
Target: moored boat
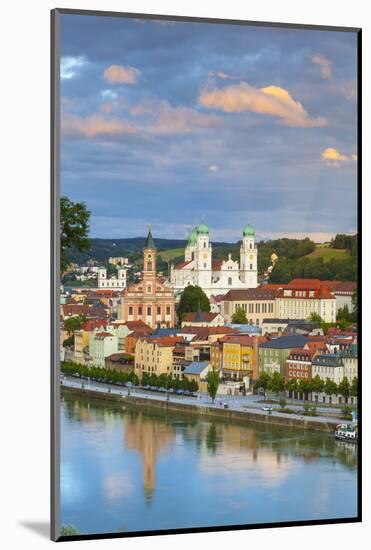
(347, 432)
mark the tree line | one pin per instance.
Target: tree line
(110, 376)
(276, 383)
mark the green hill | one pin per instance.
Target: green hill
(327, 254)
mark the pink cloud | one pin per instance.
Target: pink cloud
(117, 74)
(166, 119)
(271, 100)
(94, 125)
(324, 65)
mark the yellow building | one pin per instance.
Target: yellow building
(238, 357)
(154, 355)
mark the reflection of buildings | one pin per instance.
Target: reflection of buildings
(150, 437)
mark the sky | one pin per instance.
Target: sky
(173, 123)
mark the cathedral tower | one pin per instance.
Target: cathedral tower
(203, 255)
(249, 258)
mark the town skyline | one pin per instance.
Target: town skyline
(171, 122)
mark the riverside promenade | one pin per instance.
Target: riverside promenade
(237, 408)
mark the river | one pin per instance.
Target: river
(134, 470)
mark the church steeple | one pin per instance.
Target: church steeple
(149, 240)
(149, 253)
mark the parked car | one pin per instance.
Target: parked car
(186, 392)
(267, 408)
(225, 405)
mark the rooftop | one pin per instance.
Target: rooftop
(196, 367)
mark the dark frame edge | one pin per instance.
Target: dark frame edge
(55, 276)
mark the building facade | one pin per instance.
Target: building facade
(301, 297)
(113, 283)
(215, 276)
(154, 355)
(151, 300)
(257, 303)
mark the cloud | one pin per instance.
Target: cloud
(117, 74)
(333, 154)
(213, 168)
(271, 100)
(354, 156)
(324, 65)
(70, 66)
(94, 125)
(166, 119)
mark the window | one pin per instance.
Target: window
(229, 281)
(251, 267)
(158, 310)
(204, 244)
(205, 265)
(149, 266)
(149, 310)
(149, 288)
(167, 310)
(140, 310)
(130, 310)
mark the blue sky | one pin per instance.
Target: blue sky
(173, 123)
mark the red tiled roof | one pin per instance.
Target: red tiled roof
(91, 324)
(300, 351)
(103, 334)
(216, 265)
(250, 294)
(138, 326)
(182, 265)
(163, 341)
(346, 288)
(207, 316)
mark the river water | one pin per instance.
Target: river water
(131, 470)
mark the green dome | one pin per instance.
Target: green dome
(248, 231)
(202, 229)
(192, 238)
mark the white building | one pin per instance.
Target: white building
(112, 283)
(101, 345)
(301, 297)
(343, 293)
(216, 276)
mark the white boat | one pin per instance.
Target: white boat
(347, 432)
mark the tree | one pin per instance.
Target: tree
(344, 314)
(264, 381)
(213, 383)
(74, 228)
(292, 386)
(330, 387)
(239, 316)
(69, 531)
(278, 383)
(315, 318)
(317, 384)
(191, 299)
(344, 388)
(74, 323)
(354, 387)
(355, 305)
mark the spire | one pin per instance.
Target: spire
(199, 315)
(149, 240)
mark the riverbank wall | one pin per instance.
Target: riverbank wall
(302, 423)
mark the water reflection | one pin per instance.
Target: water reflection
(136, 470)
(150, 437)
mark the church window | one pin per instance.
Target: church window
(149, 266)
(251, 266)
(130, 310)
(158, 310)
(140, 310)
(149, 311)
(149, 288)
(250, 245)
(229, 281)
(167, 310)
(204, 244)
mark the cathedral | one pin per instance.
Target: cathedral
(216, 276)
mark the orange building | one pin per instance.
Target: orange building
(150, 300)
